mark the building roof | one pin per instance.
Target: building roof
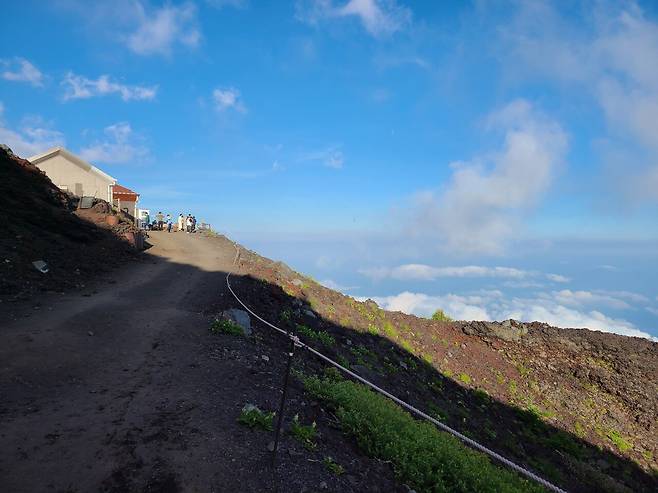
(74, 159)
(121, 190)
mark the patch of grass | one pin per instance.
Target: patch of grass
(423, 457)
(406, 345)
(390, 330)
(512, 387)
(286, 315)
(427, 358)
(465, 378)
(619, 441)
(563, 441)
(321, 336)
(500, 378)
(333, 466)
(580, 429)
(253, 417)
(440, 316)
(373, 329)
(223, 326)
(306, 434)
(524, 371)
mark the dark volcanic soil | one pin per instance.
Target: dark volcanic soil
(127, 390)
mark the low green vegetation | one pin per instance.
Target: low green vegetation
(619, 441)
(223, 326)
(333, 466)
(423, 457)
(465, 378)
(306, 434)
(253, 417)
(440, 316)
(321, 336)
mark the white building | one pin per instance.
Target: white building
(73, 174)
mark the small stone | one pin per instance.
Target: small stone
(324, 485)
(90, 333)
(310, 313)
(270, 446)
(265, 357)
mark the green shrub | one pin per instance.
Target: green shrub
(465, 378)
(440, 316)
(317, 335)
(253, 417)
(333, 466)
(223, 326)
(306, 434)
(423, 457)
(619, 441)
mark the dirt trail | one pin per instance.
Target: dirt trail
(104, 376)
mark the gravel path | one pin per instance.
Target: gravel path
(117, 390)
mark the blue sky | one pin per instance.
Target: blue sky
(493, 159)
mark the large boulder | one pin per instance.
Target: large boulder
(239, 317)
(508, 330)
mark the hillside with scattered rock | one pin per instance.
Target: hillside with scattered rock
(41, 224)
(577, 406)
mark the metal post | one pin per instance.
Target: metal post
(283, 402)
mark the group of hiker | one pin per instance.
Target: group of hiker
(164, 222)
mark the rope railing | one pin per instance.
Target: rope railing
(469, 441)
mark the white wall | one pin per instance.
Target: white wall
(70, 176)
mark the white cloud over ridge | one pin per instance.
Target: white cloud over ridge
(33, 136)
(120, 146)
(21, 70)
(79, 87)
(481, 208)
(379, 17)
(423, 272)
(493, 305)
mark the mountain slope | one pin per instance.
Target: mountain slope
(577, 406)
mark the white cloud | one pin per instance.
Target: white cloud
(159, 30)
(457, 307)
(331, 157)
(79, 87)
(21, 70)
(652, 310)
(329, 283)
(228, 98)
(425, 272)
(492, 305)
(612, 56)
(581, 298)
(33, 136)
(480, 209)
(379, 17)
(121, 145)
(557, 278)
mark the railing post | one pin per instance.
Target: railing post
(277, 434)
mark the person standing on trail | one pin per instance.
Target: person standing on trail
(169, 223)
(189, 224)
(181, 222)
(160, 218)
